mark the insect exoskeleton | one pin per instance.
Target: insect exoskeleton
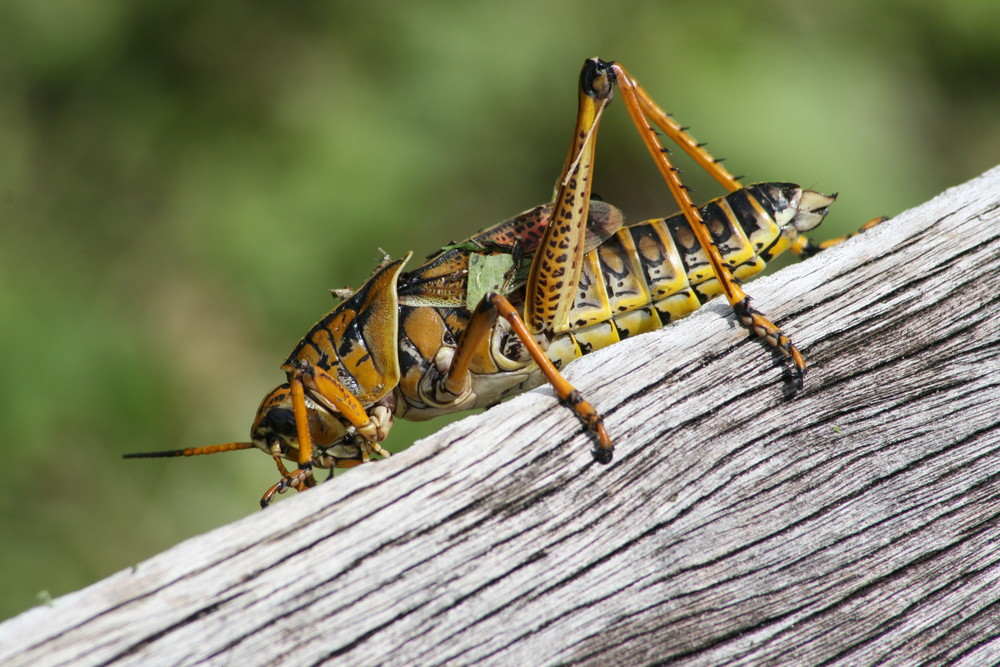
(503, 311)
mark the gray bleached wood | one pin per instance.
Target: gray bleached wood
(856, 522)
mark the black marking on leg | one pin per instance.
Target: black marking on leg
(603, 456)
(744, 312)
(305, 470)
(792, 380)
(572, 399)
(592, 423)
(793, 377)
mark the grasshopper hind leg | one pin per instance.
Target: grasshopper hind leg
(646, 116)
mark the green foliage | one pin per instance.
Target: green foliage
(487, 273)
(180, 182)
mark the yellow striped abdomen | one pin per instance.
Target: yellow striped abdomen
(651, 273)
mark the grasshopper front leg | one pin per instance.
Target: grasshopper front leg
(331, 394)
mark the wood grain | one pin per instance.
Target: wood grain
(857, 522)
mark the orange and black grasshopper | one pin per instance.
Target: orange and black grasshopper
(571, 279)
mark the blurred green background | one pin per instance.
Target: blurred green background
(181, 181)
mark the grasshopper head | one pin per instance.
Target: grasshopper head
(274, 431)
(335, 442)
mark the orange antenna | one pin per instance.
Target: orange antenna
(191, 451)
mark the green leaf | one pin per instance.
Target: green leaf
(487, 273)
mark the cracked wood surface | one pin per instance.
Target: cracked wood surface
(857, 522)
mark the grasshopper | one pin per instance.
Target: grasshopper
(564, 278)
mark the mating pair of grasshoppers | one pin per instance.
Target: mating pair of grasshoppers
(568, 278)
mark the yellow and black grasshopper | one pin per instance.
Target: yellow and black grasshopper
(571, 278)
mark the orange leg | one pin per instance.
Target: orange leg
(564, 390)
(481, 326)
(300, 480)
(558, 262)
(556, 265)
(682, 138)
(325, 389)
(639, 105)
(328, 390)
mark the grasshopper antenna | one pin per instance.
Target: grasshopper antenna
(191, 451)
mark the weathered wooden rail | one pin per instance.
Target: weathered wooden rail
(858, 522)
